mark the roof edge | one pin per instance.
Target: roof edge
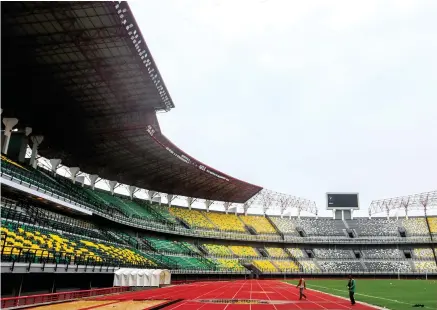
(129, 23)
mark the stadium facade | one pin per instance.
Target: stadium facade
(80, 88)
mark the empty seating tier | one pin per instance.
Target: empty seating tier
(265, 265)
(243, 251)
(228, 222)
(276, 252)
(284, 265)
(216, 249)
(194, 218)
(260, 223)
(415, 226)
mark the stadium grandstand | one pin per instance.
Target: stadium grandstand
(91, 187)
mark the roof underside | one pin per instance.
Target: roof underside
(80, 74)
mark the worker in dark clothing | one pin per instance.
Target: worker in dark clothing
(351, 287)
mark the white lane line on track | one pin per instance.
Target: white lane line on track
(338, 304)
(341, 297)
(242, 285)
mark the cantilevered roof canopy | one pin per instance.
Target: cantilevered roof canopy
(81, 74)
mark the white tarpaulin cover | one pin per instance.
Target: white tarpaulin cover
(141, 277)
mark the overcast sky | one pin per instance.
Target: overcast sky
(302, 97)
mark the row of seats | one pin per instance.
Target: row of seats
(44, 243)
(213, 220)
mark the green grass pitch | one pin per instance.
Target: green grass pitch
(391, 294)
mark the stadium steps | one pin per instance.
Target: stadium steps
(413, 266)
(362, 264)
(278, 231)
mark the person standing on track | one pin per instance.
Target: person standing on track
(302, 285)
(351, 286)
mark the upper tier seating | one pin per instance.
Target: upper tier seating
(265, 265)
(321, 227)
(415, 226)
(296, 252)
(427, 266)
(260, 223)
(286, 265)
(333, 253)
(402, 266)
(126, 205)
(194, 218)
(432, 222)
(216, 249)
(243, 251)
(377, 227)
(340, 266)
(276, 252)
(285, 225)
(230, 264)
(309, 266)
(228, 222)
(382, 253)
(423, 253)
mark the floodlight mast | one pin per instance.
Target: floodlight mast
(423, 201)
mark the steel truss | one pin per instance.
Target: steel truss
(271, 200)
(423, 201)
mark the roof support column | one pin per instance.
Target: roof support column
(246, 207)
(74, 171)
(227, 205)
(112, 185)
(208, 204)
(189, 202)
(170, 198)
(36, 140)
(132, 190)
(24, 143)
(9, 125)
(55, 162)
(81, 180)
(93, 179)
(151, 195)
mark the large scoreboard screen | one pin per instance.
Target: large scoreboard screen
(342, 200)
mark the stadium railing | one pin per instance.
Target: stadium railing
(40, 184)
(33, 300)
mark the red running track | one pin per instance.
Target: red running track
(281, 296)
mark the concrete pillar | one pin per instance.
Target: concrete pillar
(151, 195)
(132, 190)
(208, 203)
(81, 180)
(227, 204)
(55, 162)
(112, 185)
(36, 140)
(9, 125)
(24, 143)
(74, 171)
(93, 179)
(189, 202)
(169, 199)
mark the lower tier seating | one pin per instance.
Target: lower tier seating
(401, 266)
(341, 266)
(427, 266)
(265, 265)
(244, 251)
(286, 265)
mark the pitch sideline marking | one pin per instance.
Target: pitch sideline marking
(376, 297)
(344, 298)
